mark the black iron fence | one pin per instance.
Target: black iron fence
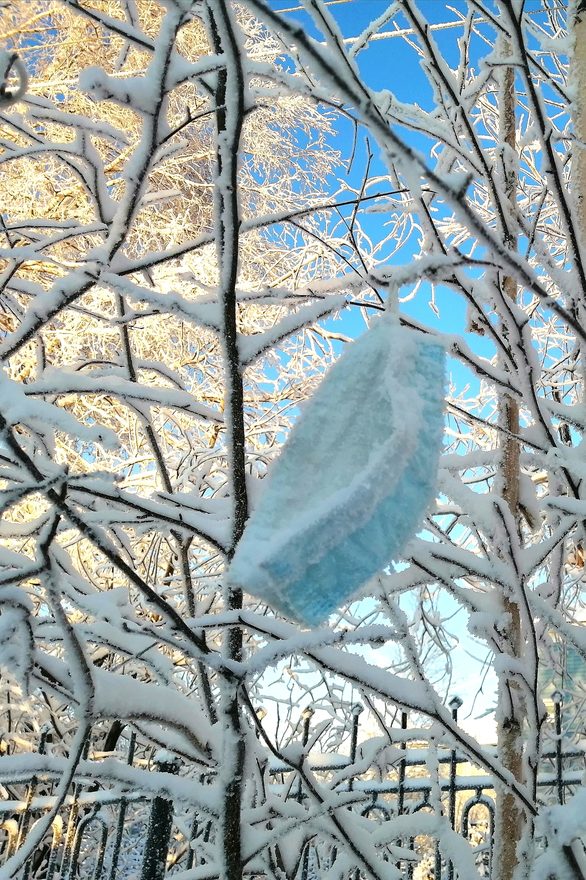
(100, 834)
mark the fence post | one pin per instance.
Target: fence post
(356, 712)
(120, 822)
(73, 817)
(154, 861)
(454, 704)
(25, 818)
(402, 769)
(306, 715)
(557, 698)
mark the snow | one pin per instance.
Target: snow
(204, 310)
(56, 381)
(125, 698)
(19, 408)
(252, 346)
(16, 768)
(16, 638)
(354, 482)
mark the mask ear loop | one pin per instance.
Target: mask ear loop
(12, 64)
(392, 310)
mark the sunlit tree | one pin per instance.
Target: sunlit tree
(175, 246)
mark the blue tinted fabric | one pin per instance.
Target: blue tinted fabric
(354, 479)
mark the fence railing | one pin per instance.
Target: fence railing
(100, 834)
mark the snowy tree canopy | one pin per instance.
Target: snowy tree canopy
(202, 203)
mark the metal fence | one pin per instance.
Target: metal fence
(100, 835)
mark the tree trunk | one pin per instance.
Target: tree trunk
(510, 817)
(578, 68)
(579, 146)
(229, 96)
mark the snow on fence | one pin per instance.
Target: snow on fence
(115, 834)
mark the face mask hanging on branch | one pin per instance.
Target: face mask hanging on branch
(13, 78)
(354, 479)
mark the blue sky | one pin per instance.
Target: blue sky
(392, 64)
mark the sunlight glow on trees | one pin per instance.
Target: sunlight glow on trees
(201, 203)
